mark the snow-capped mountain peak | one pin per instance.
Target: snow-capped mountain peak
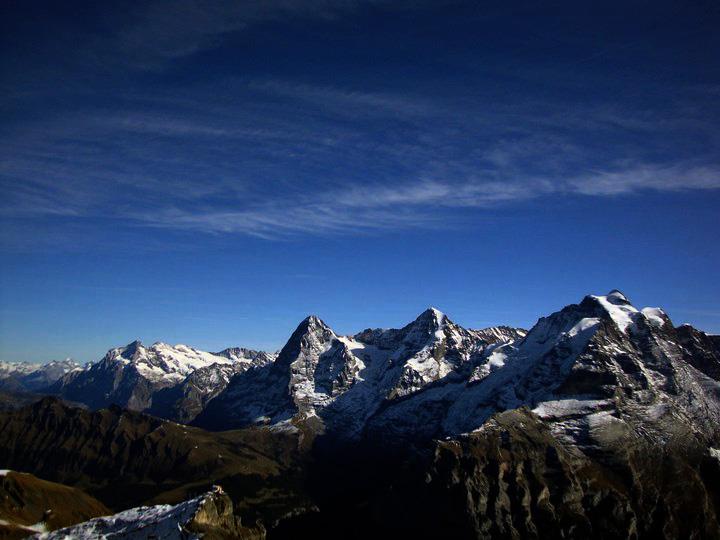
(428, 326)
(312, 335)
(313, 321)
(435, 377)
(162, 361)
(434, 314)
(616, 307)
(135, 375)
(346, 378)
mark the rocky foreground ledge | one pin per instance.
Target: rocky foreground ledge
(208, 516)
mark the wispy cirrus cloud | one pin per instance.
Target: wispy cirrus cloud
(280, 220)
(634, 178)
(282, 158)
(419, 205)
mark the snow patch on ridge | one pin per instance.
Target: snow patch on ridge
(585, 325)
(625, 315)
(494, 361)
(655, 316)
(620, 310)
(569, 407)
(162, 521)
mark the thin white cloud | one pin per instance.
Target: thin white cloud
(676, 177)
(419, 205)
(436, 193)
(272, 167)
(281, 220)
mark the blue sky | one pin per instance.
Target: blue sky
(212, 172)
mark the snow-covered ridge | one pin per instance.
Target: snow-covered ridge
(163, 522)
(570, 364)
(500, 334)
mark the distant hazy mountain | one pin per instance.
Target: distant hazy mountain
(29, 377)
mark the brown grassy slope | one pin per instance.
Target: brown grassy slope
(26, 500)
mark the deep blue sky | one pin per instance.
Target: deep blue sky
(212, 172)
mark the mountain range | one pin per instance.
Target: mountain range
(599, 421)
(582, 367)
(178, 382)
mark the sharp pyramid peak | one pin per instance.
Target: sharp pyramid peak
(431, 313)
(312, 320)
(312, 323)
(429, 320)
(132, 347)
(128, 351)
